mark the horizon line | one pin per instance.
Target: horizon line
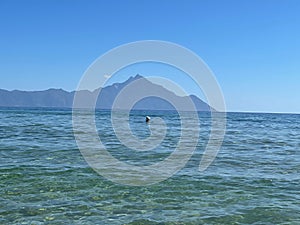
(68, 108)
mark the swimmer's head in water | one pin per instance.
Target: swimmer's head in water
(148, 119)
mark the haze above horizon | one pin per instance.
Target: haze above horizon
(252, 47)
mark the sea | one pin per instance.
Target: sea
(45, 179)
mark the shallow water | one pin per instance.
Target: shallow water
(44, 179)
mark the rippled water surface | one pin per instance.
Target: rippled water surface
(44, 179)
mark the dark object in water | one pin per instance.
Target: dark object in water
(148, 119)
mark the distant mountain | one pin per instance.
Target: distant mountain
(58, 98)
(47, 98)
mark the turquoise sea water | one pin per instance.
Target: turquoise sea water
(44, 179)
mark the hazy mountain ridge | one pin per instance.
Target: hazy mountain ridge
(59, 98)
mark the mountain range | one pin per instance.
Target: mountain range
(59, 98)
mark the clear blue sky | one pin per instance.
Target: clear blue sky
(253, 47)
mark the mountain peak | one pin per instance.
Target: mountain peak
(131, 79)
(136, 77)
